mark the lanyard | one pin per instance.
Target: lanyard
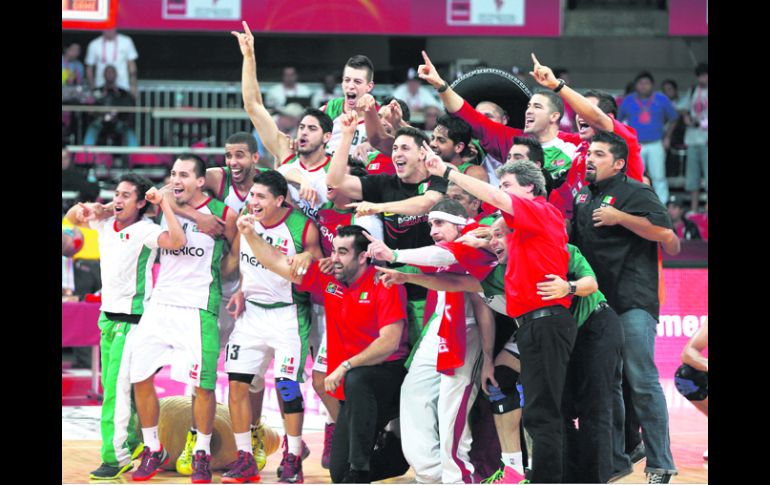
(699, 105)
(114, 52)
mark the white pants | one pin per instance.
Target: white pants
(435, 435)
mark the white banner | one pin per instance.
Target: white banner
(202, 9)
(485, 12)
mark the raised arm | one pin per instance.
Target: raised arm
(375, 132)
(81, 213)
(589, 112)
(434, 281)
(428, 73)
(479, 189)
(413, 206)
(270, 257)
(268, 132)
(174, 238)
(337, 176)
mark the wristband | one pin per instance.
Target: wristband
(346, 364)
(395, 256)
(446, 173)
(443, 88)
(561, 85)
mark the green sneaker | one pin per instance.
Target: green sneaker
(109, 472)
(184, 462)
(494, 477)
(137, 451)
(258, 444)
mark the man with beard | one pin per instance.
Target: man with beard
(313, 134)
(367, 348)
(450, 140)
(403, 199)
(274, 321)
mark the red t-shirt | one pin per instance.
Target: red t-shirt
(537, 247)
(381, 164)
(355, 314)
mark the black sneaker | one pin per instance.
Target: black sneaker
(356, 476)
(618, 475)
(637, 454)
(658, 478)
(109, 472)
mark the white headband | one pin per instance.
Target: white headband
(444, 216)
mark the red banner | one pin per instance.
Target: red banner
(688, 17)
(533, 18)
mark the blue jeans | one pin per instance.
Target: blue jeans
(654, 157)
(120, 128)
(647, 396)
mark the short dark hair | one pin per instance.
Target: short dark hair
(243, 138)
(362, 62)
(457, 130)
(450, 206)
(669, 81)
(142, 185)
(536, 153)
(644, 74)
(417, 135)
(406, 114)
(272, 179)
(556, 103)
(701, 68)
(327, 125)
(618, 146)
(607, 102)
(357, 167)
(360, 243)
(200, 165)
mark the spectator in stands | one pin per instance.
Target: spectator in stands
(567, 122)
(73, 73)
(330, 89)
(701, 219)
(116, 50)
(696, 137)
(416, 96)
(74, 179)
(288, 88)
(430, 119)
(651, 114)
(287, 119)
(684, 228)
(112, 123)
(670, 88)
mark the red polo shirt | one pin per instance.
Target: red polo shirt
(355, 314)
(537, 247)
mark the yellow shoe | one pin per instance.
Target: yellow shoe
(184, 462)
(137, 451)
(258, 444)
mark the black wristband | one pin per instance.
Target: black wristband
(443, 88)
(561, 85)
(446, 173)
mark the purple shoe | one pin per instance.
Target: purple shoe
(305, 454)
(291, 469)
(151, 463)
(326, 458)
(201, 467)
(244, 470)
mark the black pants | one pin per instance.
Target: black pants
(372, 396)
(593, 372)
(545, 345)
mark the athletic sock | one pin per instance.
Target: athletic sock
(151, 440)
(203, 443)
(295, 444)
(243, 441)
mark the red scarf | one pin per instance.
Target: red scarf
(452, 329)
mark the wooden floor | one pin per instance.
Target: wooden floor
(689, 439)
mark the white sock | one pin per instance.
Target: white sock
(329, 419)
(150, 436)
(514, 460)
(243, 441)
(295, 444)
(203, 443)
